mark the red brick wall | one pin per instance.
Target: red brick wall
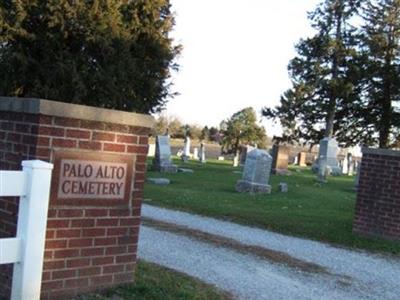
(378, 198)
(87, 248)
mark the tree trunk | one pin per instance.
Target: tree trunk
(335, 61)
(385, 122)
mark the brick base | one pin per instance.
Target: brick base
(378, 199)
(87, 247)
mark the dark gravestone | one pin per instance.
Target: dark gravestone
(280, 159)
(162, 160)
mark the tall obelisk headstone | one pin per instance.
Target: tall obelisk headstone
(186, 149)
(202, 153)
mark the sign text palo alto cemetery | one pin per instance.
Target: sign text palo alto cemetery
(87, 177)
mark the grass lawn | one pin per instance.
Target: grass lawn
(323, 213)
(158, 283)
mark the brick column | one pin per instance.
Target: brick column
(92, 229)
(378, 198)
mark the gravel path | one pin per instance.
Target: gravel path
(353, 274)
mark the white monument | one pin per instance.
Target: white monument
(152, 150)
(195, 153)
(351, 164)
(202, 153)
(236, 160)
(186, 149)
(345, 165)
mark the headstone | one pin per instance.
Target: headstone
(179, 153)
(152, 150)
(158, 181)
(196, 153)
(162, 160)
(186, 149)
(243, 153)
(280, 158)
(236, 160)
(296, 160)
(283, 187)
(202, 153)
(350, 164)
(184, 170)
(322, 171)
(345, 165)
(256, 173)
(302, 159)
(328, 150)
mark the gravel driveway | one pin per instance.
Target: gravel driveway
(345, 274)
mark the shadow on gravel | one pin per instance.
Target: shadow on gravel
(271, 255)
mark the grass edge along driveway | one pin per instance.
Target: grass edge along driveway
(154, 282)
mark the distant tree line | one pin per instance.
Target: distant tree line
(178, 130)
(345, 78)
(240, 129)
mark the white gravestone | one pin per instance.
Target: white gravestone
(283, 187)
(195, 153)
(152, 150)
(350, 164)
(186, 149)
(162, 160)
(202, 153)
(256, 173)
(236, 160)
(345, 165)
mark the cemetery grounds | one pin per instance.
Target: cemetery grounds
(309, 210)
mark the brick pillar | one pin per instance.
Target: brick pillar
(93, 222)
(377, 210)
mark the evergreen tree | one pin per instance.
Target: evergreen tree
(213, 134)
(194, 131)
(324, 78)
(161, 125)
(242, 128)
(113, 54)
(205, 134)
(381, 48)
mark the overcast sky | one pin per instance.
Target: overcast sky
(235, 54)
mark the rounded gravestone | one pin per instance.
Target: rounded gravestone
(256, 173)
